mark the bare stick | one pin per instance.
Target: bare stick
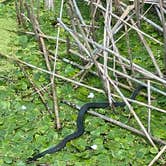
(149, 102)
(106, 41)
(55, 99)
(164, 30)
(137, 9)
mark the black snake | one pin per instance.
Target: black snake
(80, 124)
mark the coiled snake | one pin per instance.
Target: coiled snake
(80, 124)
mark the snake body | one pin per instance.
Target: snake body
(80, 124)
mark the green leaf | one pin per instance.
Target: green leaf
(20, 163)
(8, 160)
(1, 121)
(4, 105)
(153, 150)
(80, 144)
(23, 40)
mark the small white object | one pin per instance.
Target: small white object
(94, 147)
(23, 107)
(91, 95)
